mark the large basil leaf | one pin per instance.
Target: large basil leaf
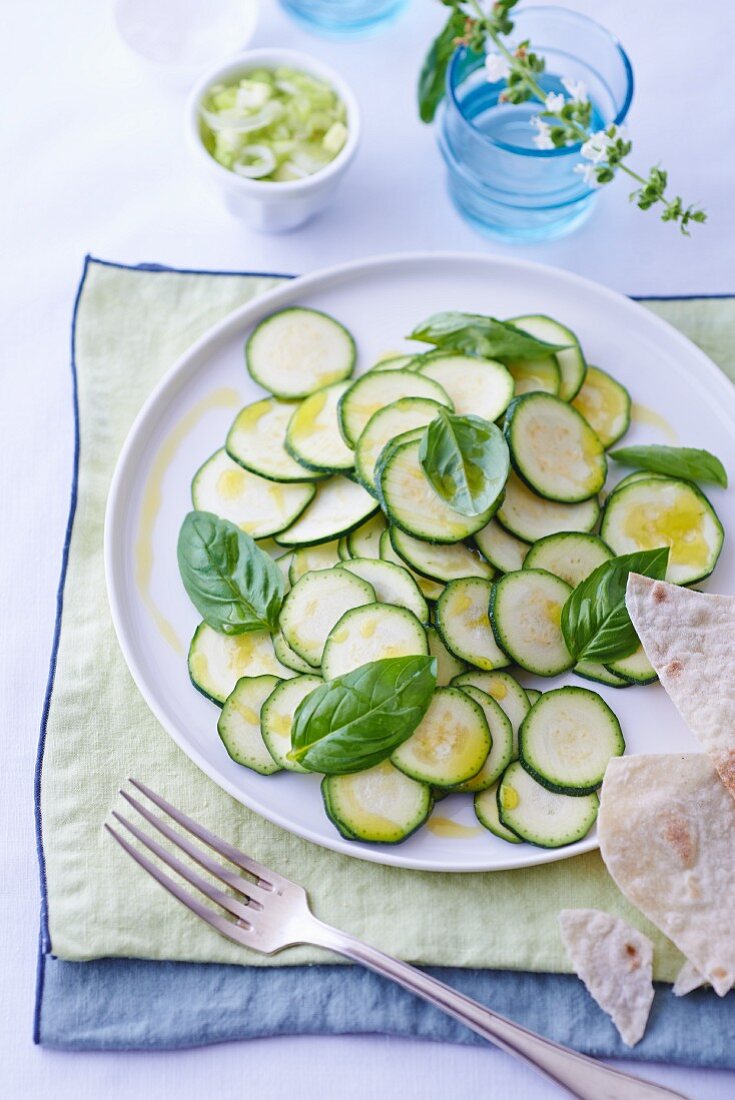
(475, 334)
(466, 460)
(432, 79)
(357, 720)
(690, 463)
(233, 584)
(594, 620)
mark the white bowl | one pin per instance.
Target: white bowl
(268, 206)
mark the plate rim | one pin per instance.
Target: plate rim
(179, 373)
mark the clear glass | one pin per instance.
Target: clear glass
(498, 179)
(342, 17)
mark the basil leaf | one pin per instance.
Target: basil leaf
(432, 79)
(466, 460)
(594, 620)
(357, 720)
(690, 463)
(235, 586)
(475, 334)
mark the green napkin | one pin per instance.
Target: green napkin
(131, 325)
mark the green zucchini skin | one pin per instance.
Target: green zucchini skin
(330, 791)
(557, 658)
(542, 817)
(257, 368)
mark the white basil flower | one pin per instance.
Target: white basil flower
(554, 102)
(497, 67)
(542, 137)
(595, 147)
(577, 89)
(588, 174)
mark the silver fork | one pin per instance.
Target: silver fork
(269, 913)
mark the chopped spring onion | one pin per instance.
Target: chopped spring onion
(273, 125)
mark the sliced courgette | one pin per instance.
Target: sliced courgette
(450, 743)
(540, 816)
(364, 541)
(430, 590)
(256, 441)
(553, 448)
(239, 724)
(217, 661)
(479, 386)
(405, 415)
(440, 563)
(600, 674)
(525, 611)
(374, 391)
(312, 434)
(296, 351)
(529, 517)
(503, 550)
(635, 669)
(536, 375)
(533, 695)
(654, 512)
(373, 632)
(393, 362)
(288, 657)
(277, 715)
(463, 622)
(391, 583)
(447, 665)
(571, 361)
(502, 749)
(570, 555)
(380, 805)
(486, 808)
(505, 690)
(568, 738)
(304, 559)
(315, 603)
(605, 405)
(339, 506)
(260, 507)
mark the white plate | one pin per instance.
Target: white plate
(380, 300)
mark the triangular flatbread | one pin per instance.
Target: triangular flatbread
(687, 980)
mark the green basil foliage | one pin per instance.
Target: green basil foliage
(233, 584)
(357, 720)
(475, 334)
(466, 460)
(432, 79)
(687, 462)
(595, 621)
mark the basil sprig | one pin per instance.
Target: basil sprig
(432, 80)
(476, 334)
(466, 460)
(690, 463)
(594, 620)
(235, 586)
(357, 720)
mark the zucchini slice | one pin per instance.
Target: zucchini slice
(635, 669)
(553, 448)
(525, 610)
(440, 563)
(430, 590)
(343, 549)
(258, 506)
(380, 805)
(374, 391)
(536, 376)
(529, 517)
(305, 559)
(500, 548)
(372, 633)
(312, 434)
(605, 405)
(600, 674)
(296, 351)
(572, 365)
(533, 695)
(502, 748)
(463, 622)
(393, 362)
(257, 441)
(315, 604)
(486, 809)
(338, 507)
(447, 665)
(542, 817)
(637, 475)
(288, 657)
(570, 555)
(405, 415)
(661, 511)
(505, 690)
(412, 504)
(479, 386)
(450, 743)
(364, 541)
(391, 583)
(239, 724)
(277, 715)
(218, 661)
(568, 738)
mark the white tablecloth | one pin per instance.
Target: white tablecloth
(94, 160)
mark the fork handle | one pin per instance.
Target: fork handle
(583, 1077)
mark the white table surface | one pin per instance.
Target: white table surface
(94, 160)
